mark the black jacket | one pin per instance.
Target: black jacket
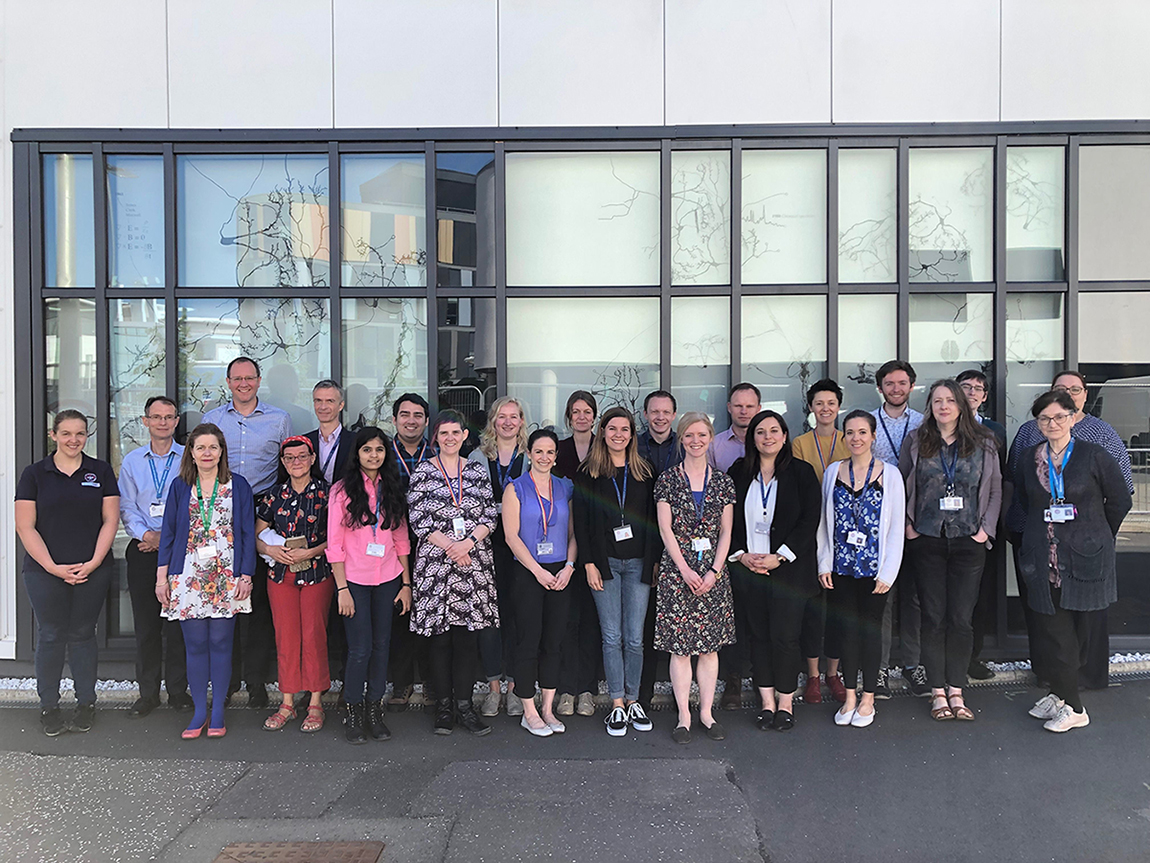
(596, 513)
(342, 452)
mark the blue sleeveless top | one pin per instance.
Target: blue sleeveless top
(531, 517)
(849, 560)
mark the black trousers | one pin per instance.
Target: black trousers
(734, 659)
(541, 624)
(652, 658)
(255, 638)
(582, 649)
(1061, 639)
(159, 642)
(948, 572)
(451, 658)
(816, 638)
(984, 616)
(774, 618)
(497, 643)
(854, 615)
(408, 651)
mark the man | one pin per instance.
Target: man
(146, 474)
(409, 414)
(896, 419)
(253, 431)
(743, 403)
(333, 443)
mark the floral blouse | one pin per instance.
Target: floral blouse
(292, 513)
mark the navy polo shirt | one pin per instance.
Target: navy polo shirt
(69, 509)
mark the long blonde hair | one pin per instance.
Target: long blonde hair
(598, 462)
(488, 442)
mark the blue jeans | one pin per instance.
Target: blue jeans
(622, 607)
(368, 640)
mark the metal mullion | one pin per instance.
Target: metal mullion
(449, 292)
(126, 148)
(942, 141)
(27, 332)
(604, 291)
(999, 322)
(1071, 241)
(665, 205)
(832, 259)
(171, 275)
(736, 310)
(1097, 140)
(702, 144)
(1124, 285)
(500, 268)
(883, 143)
(902, 256)
(817, 143)
(225, 292)
(700, 290)
(243, 148)
(431, 235)
(392, 293)
(411, 148)
(103, 348)
(1015, 287)
(464, 146)
(1037, 140)
(951, 287)
(66, 293)
(575, 145)
(760, 290)
(335, 258)
(124, 293)
(868, 288)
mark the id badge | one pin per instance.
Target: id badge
(762, 528)
(700, 543)
(458, 527)
(1062, 513)
(156, 510)
(543, 549)
(856, 538)
(623, 532)
(376, 549)
(206, 552)
(499, 507)
(950, 504)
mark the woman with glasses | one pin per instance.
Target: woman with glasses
(1075, 499)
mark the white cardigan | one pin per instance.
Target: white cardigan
(891, 520)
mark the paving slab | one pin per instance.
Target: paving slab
(288, 790)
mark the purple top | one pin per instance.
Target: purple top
(531, 516)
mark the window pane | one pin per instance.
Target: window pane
(582, 219)
(1035, 213)
(1113, 212)
(384, 221)
(69, 222)
(785, 351)
(868, 337)
(951, 215)
(465, 218)
(551, 353)
(289, 338)
(253, 221)
(949, 333)
(136, 334)
(1034, 351)
(701, 353)
(135, 221)
(70, 357)
(467, 356)
(384, 354)
(867, 216)
(700, 217)
(784, 217)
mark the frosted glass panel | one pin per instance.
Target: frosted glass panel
(785, 350)
(701, 353)
(700, 217)
(1034, 350)
(1035, 213)
(867, 215)
(951, 215)
(949, 333)
(868, 337)
(384, 221)
(784, 230)
(582, 219)
(1114, 212)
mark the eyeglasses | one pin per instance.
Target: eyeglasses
(166, 418)
(972, 388)
(250, 379)
(1074, 390)
(296, 459)
(1055, 419)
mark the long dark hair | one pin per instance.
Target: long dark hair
(750, 459)
(393, 502)
(282, 475)
(970, 433)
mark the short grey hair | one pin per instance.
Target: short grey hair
(329, 384)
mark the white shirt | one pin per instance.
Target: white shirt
(327, 448)
(756, 513)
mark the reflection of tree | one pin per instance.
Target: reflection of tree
(376, 265)
(399, 372)
(701, 220)
(1032, 200)
(757, 226)
(622, 209)
(931, 229)
(138, 363)
(619, 385)
(870, 244)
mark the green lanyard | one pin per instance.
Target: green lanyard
(206, 515)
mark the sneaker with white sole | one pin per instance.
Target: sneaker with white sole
(490, 705)
(565, 706)
(916, 681)
(616, 722)
(1066, 719)
(585, 704)
(1046, 707)
(637, 717)
(882, 688)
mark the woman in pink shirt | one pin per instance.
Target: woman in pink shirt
(368, 547)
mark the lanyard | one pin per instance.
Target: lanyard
(505, 475)
(886, 431)
(415, 460)
(856, 500)
(834, 443)
(949, 472)
(544, 514)
(654, 448)
(700, 505)
(161, 482)
(621, 497)
(1058, 480)
(766, 488)
(206, 514)
(458, 501)
(378, 507)
(331, 453)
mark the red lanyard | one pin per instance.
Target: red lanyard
(458, 501)
(544, 516)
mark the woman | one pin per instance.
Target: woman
(453, 515)
(368, 547)
(204, 568)
(299, 583)
(615, 532)
(580, 414)
(820, 447)
(778, 503)
(500, 452)
(954, 494)
(541, 535)
(67, 509)
(1075, 498)
(860, 544)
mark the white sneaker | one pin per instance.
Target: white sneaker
(585, 704)
(637, 717)
(545, 731)
(1046, 707)
(860, 721)
(490, 705)
(616, 722)
(1067, 719)
(843, 718)
(514, 704)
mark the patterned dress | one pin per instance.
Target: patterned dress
(206, 588)
(685, 624)
(443, 593)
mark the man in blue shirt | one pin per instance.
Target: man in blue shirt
(253, 431)
(146, 474)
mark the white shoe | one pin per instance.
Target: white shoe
(1067, 719)
(1046, 707)
(490, 705)
(556, 727)
(514, 704)
(545, 731)
(637, 717)
(616, 722)
(860, 721)
(844, 718)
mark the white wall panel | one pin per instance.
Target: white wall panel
(1066, 59)
(416, 63)
(256, 63)
(731, 61)
(580, 62)
(915, 61)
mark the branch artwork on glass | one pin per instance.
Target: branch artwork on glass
(701, 219)
(138, 364)
(399, 363)
(940, 250)
(1028, 197)
(622, 209)
(867, 244)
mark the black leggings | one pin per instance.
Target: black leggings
(541, 625)
(774, 614)
(816, 638)
(451, 657)
(854, 614)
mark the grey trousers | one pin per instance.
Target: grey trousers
(905, 594)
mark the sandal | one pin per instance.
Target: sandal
(279, 719)
(961, 711)
(314, 720)
(940, 714)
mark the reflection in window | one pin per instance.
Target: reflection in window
(253, 221)
(700, 217)
(467, 356)
(950, 333)
(784, 227)
(1035, 213)
(135, 221)
(701, 353)
(1034, 351)
(138, 362)
(867, 218)
(383, 221)
(951, 214)
(582, 219)
(69, 222)
(1113, 212)
(384, 354)
(868, 337)
(553, 352)
(70, 358)
(465, 218)
(785, 351)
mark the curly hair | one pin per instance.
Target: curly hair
(392, 500)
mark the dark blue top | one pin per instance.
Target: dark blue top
(851, 560)
(531, 516)
(177, 525)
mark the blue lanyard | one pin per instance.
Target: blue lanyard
(886, 431)
(1058, 480)
(378, 507)
(505, 475)
(856, 500)
(331, 452)
(765, 488)
(621, 496)
(700, 504)
(950, 471)
(834, 443)
(161, 482)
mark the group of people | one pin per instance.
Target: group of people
(535, 558)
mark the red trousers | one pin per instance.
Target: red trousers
(300, 617)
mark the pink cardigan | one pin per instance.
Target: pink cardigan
(349, 545)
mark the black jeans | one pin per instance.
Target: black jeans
(152, 630)
(368, 640)
(948, 571)
(582, 648)
(408, 650)
(816, 638)
(1061, 638)
(854, 615)
(497, 643)
(734, 658)
(774, 616)
(451, 657)
(541, 624)
(255, 637)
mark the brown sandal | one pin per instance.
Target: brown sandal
(280, 718)
(314, 720)
(961, 711)
(939, 714)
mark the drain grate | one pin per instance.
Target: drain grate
(301, 852)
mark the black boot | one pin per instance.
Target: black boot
(376, 728)
(469, 719)
(444, 716)
(354, 724)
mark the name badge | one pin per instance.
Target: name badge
(156, 510)
(1060, 513)
(458, 527)
(700, 543)
(762, 528)
(624, 532)
(499, 507)
(950, 504)
(376, 549)
(206, 552)
(856, 538)
(542, 549)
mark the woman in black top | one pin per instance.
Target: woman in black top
(580, 414)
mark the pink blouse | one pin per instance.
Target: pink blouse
(349, 545)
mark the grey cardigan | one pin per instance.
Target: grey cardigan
(989, 486)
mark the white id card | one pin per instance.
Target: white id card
(856, 538)
(458, 527)
(700, 543)
(950, 504)
(156, 510)
(623, 532)
(762, 528)
(206, 552)
(376, 549)
(1060, 513)
(542, 549)
(499, 507)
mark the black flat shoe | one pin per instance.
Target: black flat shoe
(717, 732)
(681, 734)
(180, 701)
(257, 697)
(784, 721)
(142, 707)
(979, 670)
(765, 720)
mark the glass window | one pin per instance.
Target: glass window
(70, 359)
(467, 356)
(465, 218)
(253, 221)
(69, 222)
(138, 362)
(868, 337)
(1113, 212)
(949, 333)
(289, 338)
(701, 353)
(1034, 351)
(867, 215)
(700, 217)
(951, 214)
(383, 221)
(785, 351)
(1035, 213)
(582, 219)
(384, 354)
(135, 221)
(784, 217)
(608, 346)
